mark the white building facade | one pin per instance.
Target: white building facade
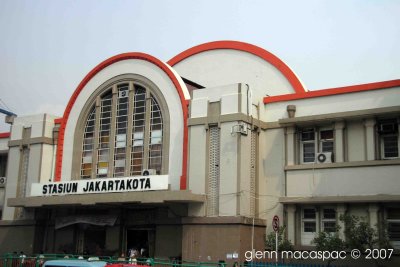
(194, 157)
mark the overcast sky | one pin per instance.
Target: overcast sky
(47, 47)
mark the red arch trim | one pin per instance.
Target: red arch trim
(249, 48)
(97, 69)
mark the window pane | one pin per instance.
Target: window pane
(309, 213)
(309, 227)
(390, 146)
(394, 231)
(329, 226)
(87, 146)
(308, 152)
(329, 214)
(326, 134)
(327, 146)
(307, 135)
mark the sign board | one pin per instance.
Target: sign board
(107, 185)
(275, 223)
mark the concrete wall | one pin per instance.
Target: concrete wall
(168, 241)
(216, 242)
(357, 181)
(18, 236)
(272, 175)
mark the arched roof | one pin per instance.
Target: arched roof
(245, 47)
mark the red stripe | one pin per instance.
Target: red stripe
(5, 135)
(333, 91)
(97, 69)
(249, 48)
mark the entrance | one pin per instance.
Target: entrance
(141, 240)
(91, 239)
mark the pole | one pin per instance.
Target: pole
(252, 239)
(276, 245)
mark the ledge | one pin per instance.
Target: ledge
(224, 220)
(339, 199)
(350, 164)
(149, 197)
(359, 114)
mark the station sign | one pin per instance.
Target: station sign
(104, 185)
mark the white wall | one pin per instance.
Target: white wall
(227, 66)
(389, 97)
(163, 82)
(355, 181)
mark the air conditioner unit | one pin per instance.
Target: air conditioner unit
(147, 172)
(239, 128)
(325, 157)
(3, 181)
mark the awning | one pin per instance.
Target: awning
(101, 220)
(148, 197)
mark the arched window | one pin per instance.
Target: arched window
(123, 133)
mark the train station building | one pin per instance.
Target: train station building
(193, 158)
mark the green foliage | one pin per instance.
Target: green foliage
(360, 235)
(283, 242)
(325, 241)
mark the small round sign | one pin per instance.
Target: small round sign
(275, 223)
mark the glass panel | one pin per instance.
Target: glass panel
(308, 152)
(307, 135)
(327, 146)
(156, 133)
(326, 134)
(390, 146)
(309, 213)
(329, 226)
(139, 108)
(104, 135)
(309, 227)
(329, 214)
(87, 146)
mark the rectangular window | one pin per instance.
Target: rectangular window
(388, 131)
(309, 220)
(314, 141)
(393, 220)
(308, 146)
(328, 220)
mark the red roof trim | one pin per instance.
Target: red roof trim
(97, 69)
(333, 91)
(249, 48)
(5, 135)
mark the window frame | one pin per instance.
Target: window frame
(317, 141)
(93, 101)
(382, 136)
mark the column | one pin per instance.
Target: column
(291, 227)
(340, 211)
(290, 145)
(339, 141)
(373, 209)
(370, 138)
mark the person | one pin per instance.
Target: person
(22, 256)
(121, 257)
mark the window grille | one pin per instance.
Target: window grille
(128, 151)
(214, 172)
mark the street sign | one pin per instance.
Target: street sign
(275, 223)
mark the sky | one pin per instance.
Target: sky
(47, 47)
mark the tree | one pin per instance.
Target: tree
(360, 235)
(283, 242)
(329, 241)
